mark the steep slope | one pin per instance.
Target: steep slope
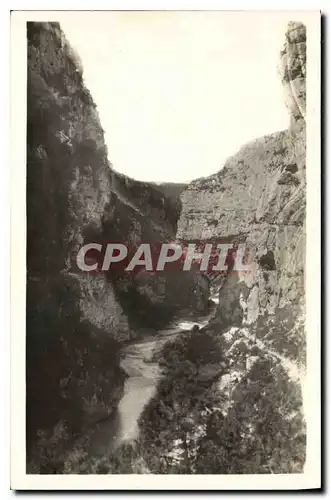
(253, 419)
(77, 321)
(226, 405)
(73, 320)
(230, 399)
(259, 199)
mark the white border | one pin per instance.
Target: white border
(19, 480)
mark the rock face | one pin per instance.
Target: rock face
(258, 198)
(73, 320)
(293, 69)
(232, 390)
(141, 212)
(76, 322)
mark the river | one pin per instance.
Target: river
(139, 387)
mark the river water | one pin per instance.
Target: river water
(139, 387)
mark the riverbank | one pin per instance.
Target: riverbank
(143, 374)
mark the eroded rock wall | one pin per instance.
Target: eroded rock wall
(259, 198)
(76, 322)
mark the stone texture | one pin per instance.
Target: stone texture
(76, 322)
(259, 198)
(293, 69)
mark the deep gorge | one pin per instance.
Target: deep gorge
(224, 390)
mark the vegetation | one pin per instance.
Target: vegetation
(223, 404)
(284, 332)
(173, 420)
(254, 425)
(262, 432)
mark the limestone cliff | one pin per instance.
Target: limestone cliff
(142, 212)
(77, 321)
(249, 404)
(259, 198)
(73, 320)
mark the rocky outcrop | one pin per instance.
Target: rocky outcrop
(76, 322)
(145, 212)
(232, 389)
(73, 321)
(258, 198)
(292, 69)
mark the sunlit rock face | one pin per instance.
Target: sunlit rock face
(259, 198)
(292, 69)
(76, 321)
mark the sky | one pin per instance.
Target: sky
(179, 92)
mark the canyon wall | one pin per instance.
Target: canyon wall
(76, 322)
(230, 400)
(259, 198)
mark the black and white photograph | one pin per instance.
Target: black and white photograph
(168, 280)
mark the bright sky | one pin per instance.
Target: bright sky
(179, 92)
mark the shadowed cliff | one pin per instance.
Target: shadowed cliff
(76, 322)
